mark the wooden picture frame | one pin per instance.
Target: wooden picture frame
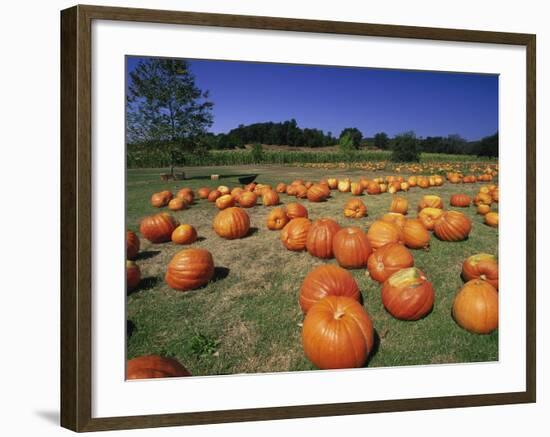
(76, 218)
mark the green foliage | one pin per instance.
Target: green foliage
(257, 153)
(405, 148)
(164, 104)
(203, 345)
(346, 144)
(354, 133)
(381, 140)
(488, 146)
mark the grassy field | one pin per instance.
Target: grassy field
(248, 319)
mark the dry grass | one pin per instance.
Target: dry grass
(248, 319)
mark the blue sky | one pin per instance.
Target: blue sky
(333, 98)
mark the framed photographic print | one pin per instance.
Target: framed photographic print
(268, 218)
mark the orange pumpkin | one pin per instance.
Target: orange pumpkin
(399, 205)
(158, 228)
(247, 199)
(300, 191)
(327, 280)
(177, 204)
(356, 188)
(452, 226)
(344, 185)
(187, 195)
(387, 260)
(184, 234)
(223, 189)
(355, 208)
(373, 188)
(483, 199)
(481, 266)
(277, 219)
(381, 233)
(460, 200)
(430, 201)
(132, 245)
(415, 234)
(483, 209)
(337, 333)
(236, 193)
(351, 247)
(320, 236)
(158, 200)
(280, 188)
(332, 183)
(154, 366)
(295, 210)
(232, 223)
(294, 234)
(270, 198)
(407, 294)
(491, 219)
(190, 269)
(133, 275)
(428, 217)
(203, 192)
(396, 218)
(214, 195)
(475, 307)
(317, 193)
(225, 201)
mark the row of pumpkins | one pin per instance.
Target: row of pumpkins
(330, 290)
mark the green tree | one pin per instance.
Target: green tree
(405, 148)
(164, 105)
(354, 133)
(381, 140)
(488, 146)
(346, 145)
(257, 153)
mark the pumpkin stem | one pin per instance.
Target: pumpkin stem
(339, 314)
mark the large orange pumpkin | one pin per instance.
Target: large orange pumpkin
(133, 275)
(190, 269)
(452, 226)
(430, 201)
(355, 208)
(295, 210)
(399, 205)
(184, 234)
(294, 234)
(428, 217)
(483, 209)
(407, 294)
(396, 218)
(344, 185)
(460, 200)
(300, 191)
(373, 188)
(132, 245)
(381, 233)
(154, 366)
(415, 234)
(356, 188)
(351, 247)
(332, 183)
(327, 280)
(320, 236)
(270, 198)
(187, 195)
(247, 199)
(158, 228)
(232, 223)
(337, 333)
(387, 260)
(481, 266)
(277, 219)
(280, 188)
(475, 307)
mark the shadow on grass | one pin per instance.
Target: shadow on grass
(130, 328)
(251, 232)
(223, 176)
(375, 348)
(146, 254)
(220, 273)
(145, 284)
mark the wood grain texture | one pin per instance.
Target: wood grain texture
(76, 221)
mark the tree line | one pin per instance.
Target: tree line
(165, 108)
